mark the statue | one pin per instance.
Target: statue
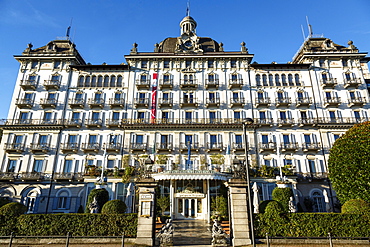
(219, 237)
(94, 206)
(291, 205)
(134, 48)
(165, 235)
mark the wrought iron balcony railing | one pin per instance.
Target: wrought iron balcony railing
(142, 84)
(237, 102)
(214, 146)
(188, 102)
(70, 147)
(235, 83)
(166, 83)
(164, 146)
(212, 102)
(91, 147)
(303, 101)
(357, 101)
(189, 83)
(212, 83)
(185, 146)
(283, 101)
(165, 102)
(334, 101)
(28, 84)
(141, 102)
(77, 103)
(96, 103)
(45, 103)
(24, 103)
(52, 84)
(263, 101)
(40, 147)
(356, 82)
(112, 147)
(285, 121)
(311, 146)
(134, 146)
(14, 147)
(329, 82)
(116, 102)
(73, 122)
(111, 123)
(292, 146)
(270, 146)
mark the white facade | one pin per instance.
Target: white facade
(68, 119)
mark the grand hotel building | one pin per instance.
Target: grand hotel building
(178, 113)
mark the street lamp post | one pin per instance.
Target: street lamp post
(248, 121)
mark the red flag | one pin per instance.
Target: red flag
(153, 114)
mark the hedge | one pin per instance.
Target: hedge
(77, 224)
(313, 225)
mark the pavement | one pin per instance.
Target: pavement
(192, 233)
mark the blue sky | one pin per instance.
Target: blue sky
(104, 30)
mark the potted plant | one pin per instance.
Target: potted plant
(217, 160)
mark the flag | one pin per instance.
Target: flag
(153, 114)
(189, 154)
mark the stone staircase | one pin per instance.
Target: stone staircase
(192, 233)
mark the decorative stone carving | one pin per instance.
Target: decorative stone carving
(134, 48)
(219, 237)
(165, 235)
(94, 206)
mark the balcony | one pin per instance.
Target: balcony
(237, 102)
(267, 147)
(94, 123)
(24, 103)
(138, 147)
(189, 84)
(283, 101)
(141, 102)
(94, 103)
(307, 122)
(31, 176)
(52, 84)
(265, 121)
(312, 175)
(235, 83)
(113, 123)
(8, 176)
(77, 123)
(214, 102)
(214, 147)
(119, 102)
(335, 101)
(47, 122)
(355, 83)
(48, 103)
(39, 147)
(28, 84)
(64, 176)
(188, 102)
(194, 147)
(329, 83)
(237, 147)
(314, 147)
(165, 102)
(166, 84)
(164, 147)
(70, 147)
(286, 147)
(91, 147)
(358, 101)
(142, 84)
(113, 147)
(263, 102)
(212, 83)
(285, 122)
(303, 102)
(14, 147)
(77, 103)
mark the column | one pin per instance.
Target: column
(189, 203)
(172, 199)
(196, 207)
(183, 207)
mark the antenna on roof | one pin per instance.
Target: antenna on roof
(309, 28)
(304, 36)
(188, 9)
(69, 29)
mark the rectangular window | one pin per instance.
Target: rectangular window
(267, 163)
(95, 116)
(188, 139)
(140, 115)
(236, 114)
(188, 63)
(262, 115)
(62, 202)
(37, 165)
(265, 139)
(139, 139)
(115, 115)
(144, 64)
(357, 114)
(43, 139)
(282, 115)
(11, 165)
(188, 115)
(166, 64)
(110, 164)
(67, 166)
(233, 63)
(213, 139)
(164, 115)
(307, 138)
(336, 136)
(288, 162)
(311, 165)
(72, 139)
(18, 139)
(286, 139)
(303, 115)
(238, 139)
(92, 139)
(210, 64)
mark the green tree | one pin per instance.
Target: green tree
(102, 196)
(349, 164)
(114, 207)
(219, 205)
(282, 195)
(163, 202)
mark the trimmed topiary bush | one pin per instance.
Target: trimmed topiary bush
(13, 209)
(4, 201)
(9, 214)
(282, 195)
(102, 196)
(356, 206)
(114, 207)
(262, 206)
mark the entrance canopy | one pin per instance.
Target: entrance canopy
(191, 175)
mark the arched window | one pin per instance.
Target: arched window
(119, 81)
(258, 80)
(63, 200)
(100, 81)
(113, 81)
(297, 81)
(264, 80)
(87, 81)
(93, 81)
(283, 80)
(106, 81)
(318, 202)
(81, 81)
(277, 80)
(290, 80)
(271, 80)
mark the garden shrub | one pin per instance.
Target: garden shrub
(262, 206)
(13, 209)
(114, 207)
(8, 217)
(274, 219)
(282, 195)
(4, 201)
(102, 196)
(356, 206)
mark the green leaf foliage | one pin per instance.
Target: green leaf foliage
(8, 217)
(163, 202)
(356, 206)
(219, 205)
(4, 201)
(114, 207)
(13, 209)
(102, 196)
(349, 164)
(282, 195)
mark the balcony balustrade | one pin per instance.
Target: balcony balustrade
(358, 101)
(166, 84)
(28, 84)
(237, 102)
(283, 101)
(40, 147)
(165, 102)
(303, 101)
(188, 102)
(263, 102)
(285, 122)
(184, 147)
(52, 84)
(214, 147)
(307, 122)
(64, 176)
(142, 84)
(235, 83)
(215, 102)
(164, 146)
(48, 103)
(329, 82)
(73, 122)
(14, 147)
(93, 103)
(113, 147)
(94, 123)
(32, 176)
(113, 123)
(212, 83)
(77, 103)
(334, 101)
(189, 84)
(312, 175)
(307, 147)
(267, 147)
(141, 102)
(286, 147)
(264, 121)
(24, 103)
(70, 147)
(93, 147)
(355, 83)
(138, 147)
(116, 102)
(237, 147)
(8, 176)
